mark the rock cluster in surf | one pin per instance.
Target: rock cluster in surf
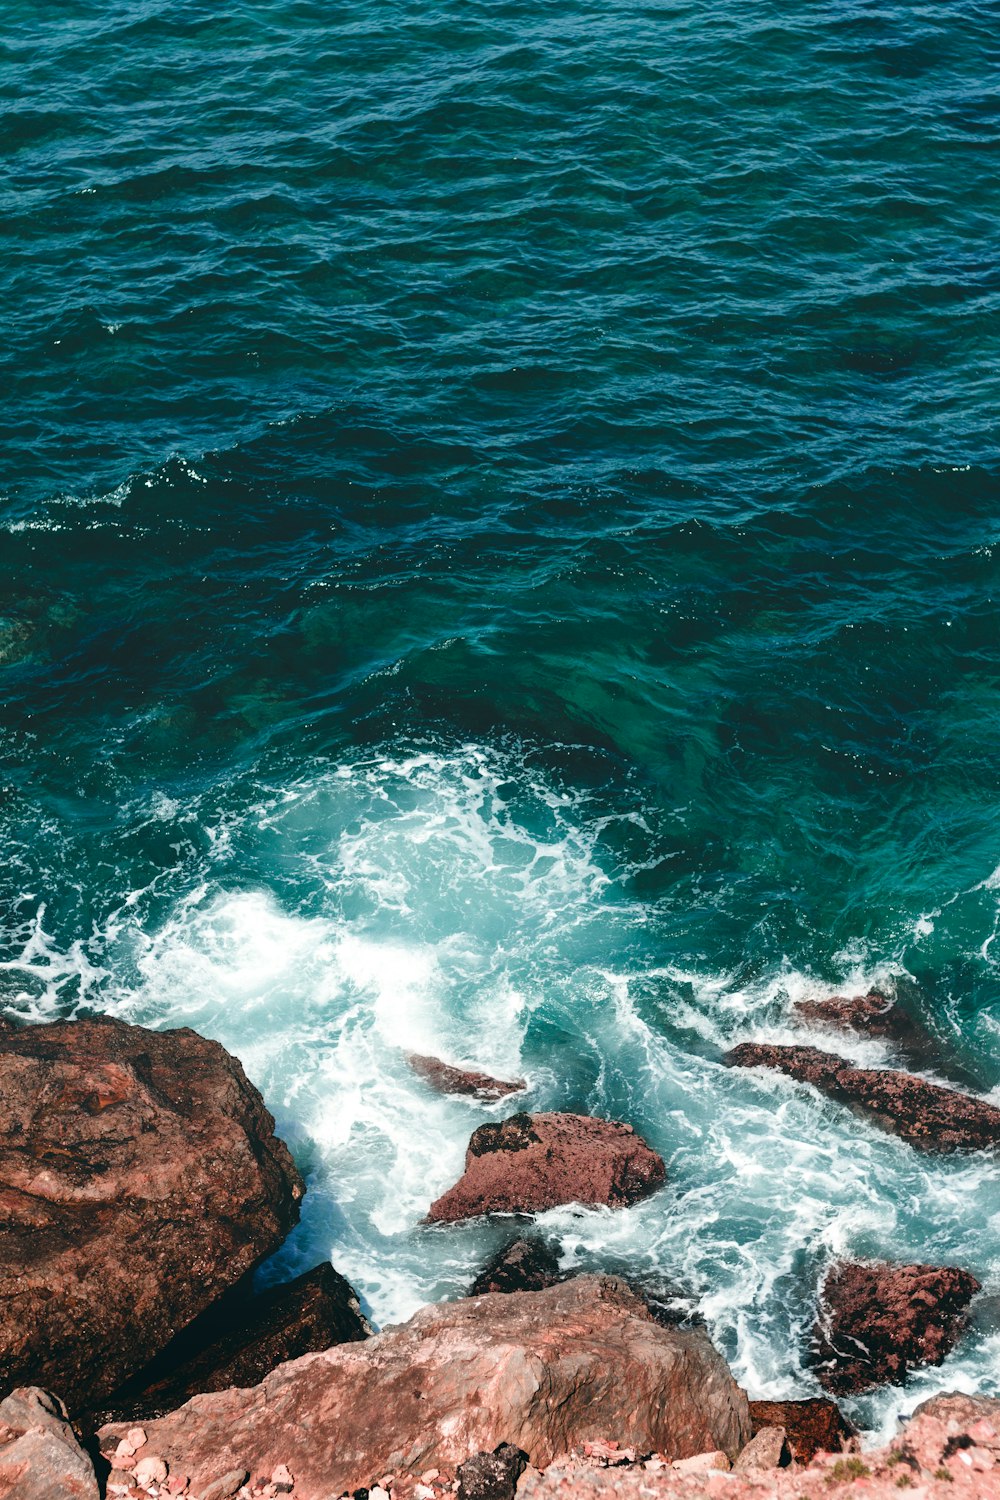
(147, 1166)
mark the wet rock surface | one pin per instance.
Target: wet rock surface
(525, 1264)
(543, 1371)
(924, 1114)
(873, 1014)
(529, 1163)
(447, 1079)
(815, 1425)
(878, 1321)
(140, 1178)
(240, 1339)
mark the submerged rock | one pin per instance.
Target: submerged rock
(874, 1015)
(240, 1339)
(544, 1371)
(812, 1426)
(528, 1163)
(925, 1114)
(525, 1264)
(447, 1079)
(40, 1455)
(878, 1321)
(140, 1177)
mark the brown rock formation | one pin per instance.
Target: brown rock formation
(446, 1079)
(877, 1321)
(812, 1426)
(240, 1339)
(139, 1178)
(540, 1370)
(526, 1264)
(872, 1015)
(528, 1163)
(925, 1114)
(40, 1457)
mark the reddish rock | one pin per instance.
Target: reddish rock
(878, 1321)
(240, 1339)
(446, 1079)
(767, 1449)
(40, 1457)
(544, 1371)
(812, 1426)
(528, 1163)
(527, 1264)
(964, 1411)
(873, 1015)
(140, 1177)
(925, 1114)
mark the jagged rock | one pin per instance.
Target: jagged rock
(873, 1015)
(528, 1163)
(541, 1370)
(139, 1178)
(962, 1409)
(40, 1457)
(240, 1339)
(925, 1114)
(767, 1449)
(491, 1476)
(878, 1321)
(447, 1079)
(812, 1426)
(526, 1264)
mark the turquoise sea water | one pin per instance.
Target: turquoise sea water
(499, 538)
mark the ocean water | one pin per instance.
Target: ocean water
(499, 536)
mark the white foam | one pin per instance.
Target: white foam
(456, 905)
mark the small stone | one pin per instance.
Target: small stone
(177, 1484)
(137, 1437)
(226, 1485)
(150, 1470)
(767, 1449)
(702, 1463)
(378, 1493)
(423, 1492)
(387, 1481)
(428, 1477)
(124, 1450)
(281, 1475)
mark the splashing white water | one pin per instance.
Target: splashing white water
(457, 905)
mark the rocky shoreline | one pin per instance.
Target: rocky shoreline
(142, 1184)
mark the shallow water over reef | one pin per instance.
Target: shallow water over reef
(499, 541)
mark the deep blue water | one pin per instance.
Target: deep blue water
(498, 555)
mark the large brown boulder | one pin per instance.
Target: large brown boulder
(814, 1425)
(925, 1114)
(445, 1078)
(139, 1178)
(878, 1321)
(543, 1371)
(528, 1163)
(240, 1339)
